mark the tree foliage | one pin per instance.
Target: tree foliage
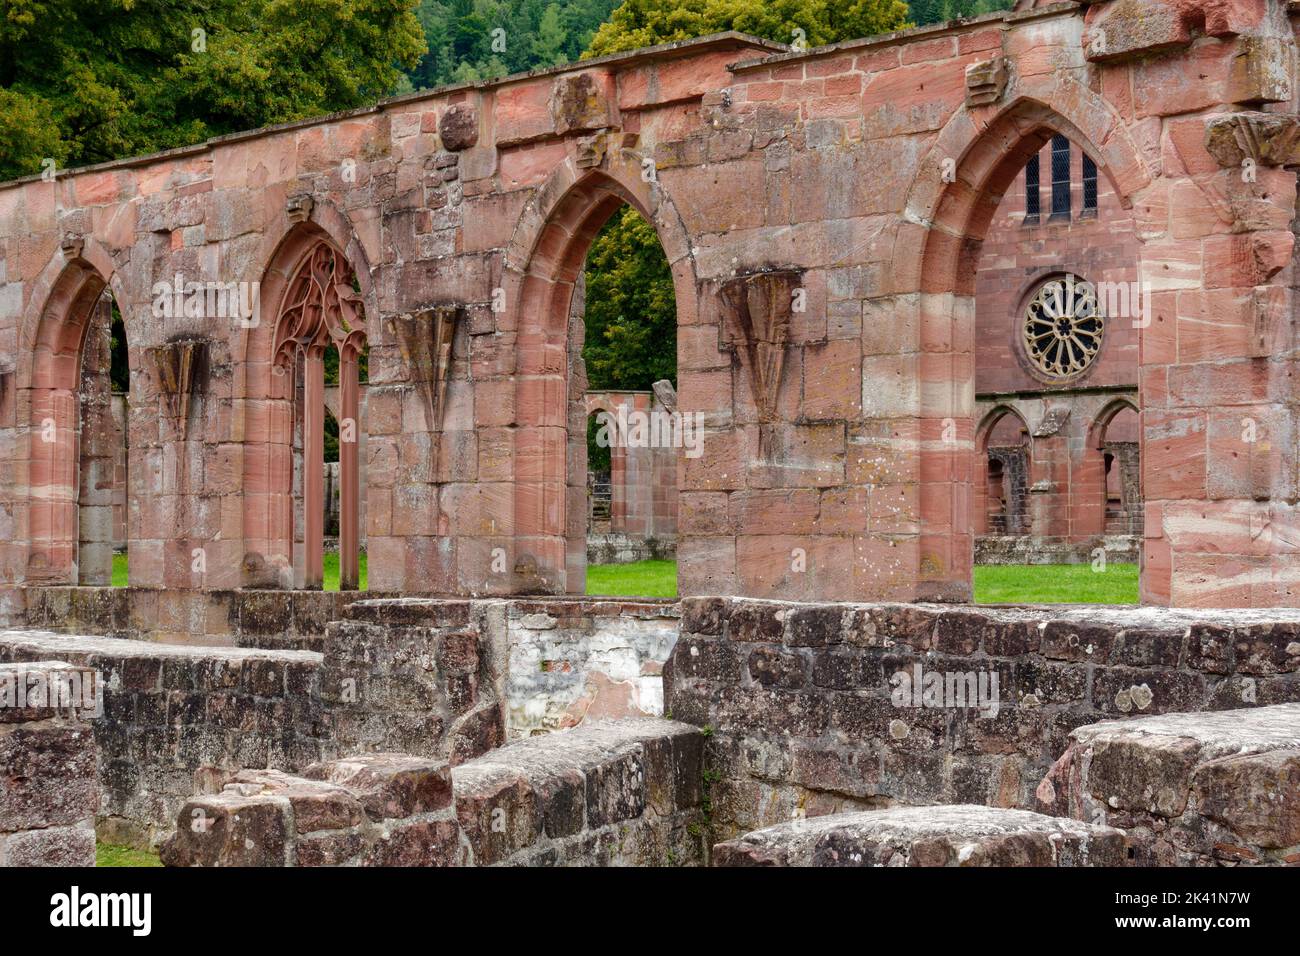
(471, 40)
(937, 11)
(631, 314)
(84, 81)
(639, 23)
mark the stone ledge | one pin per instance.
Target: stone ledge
(1206, 788)
(605, 792)
(928, 836)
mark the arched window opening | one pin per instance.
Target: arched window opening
(1120, 448)
(623, 316)
(322, 326)
(102, 512)
(1061, 203)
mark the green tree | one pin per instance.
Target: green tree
(640, 23)
(83, 81)
(937, 11)
(631, 314)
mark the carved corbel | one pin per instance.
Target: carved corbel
(1266, 139)
(72, 245)
(425, 340)
(299, 208)
(986, 81)
(758, 308)
(180, 365)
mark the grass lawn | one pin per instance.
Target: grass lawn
(1056, 584)
(331, 568)
(639, 579)
(994, 584)
(108, 855)
(119, 570)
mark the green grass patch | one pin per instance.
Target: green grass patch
(330, 566)
(106, 854)
(638, 579)
(994, 584)
(1056, 584)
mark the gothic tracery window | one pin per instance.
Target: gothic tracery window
(323, 310)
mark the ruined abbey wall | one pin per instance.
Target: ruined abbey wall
(822, 212)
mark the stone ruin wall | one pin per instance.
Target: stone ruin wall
(798, 696)
(765, 164)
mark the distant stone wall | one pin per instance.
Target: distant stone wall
(49, 792)
(1019, 549)
(619, 548)
(284, 620)
(1189, 789)
(609, 793)
(575, 659)
(801, 697)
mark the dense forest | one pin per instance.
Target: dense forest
(83, 81)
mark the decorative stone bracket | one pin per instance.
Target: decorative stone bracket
(581, 102)
(1052, 422)
(758, 307)
(425, 339)
(986, 81)
(72, 245)
(299, 208)
(180, 365)
(1268, 139)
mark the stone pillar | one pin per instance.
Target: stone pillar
(349, 474)
(313, 467)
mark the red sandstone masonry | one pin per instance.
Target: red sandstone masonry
(800, 696)
(838, 182)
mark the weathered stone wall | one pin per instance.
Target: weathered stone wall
(1189, 789)
(370, 810)
(285, 620)
(605, 794)
(861, 174)
(572, 659)
(428, 681)
(800, 697)
(49, 791)
(169, 711)
(418, 676)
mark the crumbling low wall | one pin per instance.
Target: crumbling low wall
(1191, 789)
(1021, 549)
(170, 710)
(606, 793)
(49, 791)
(575, 659)
(929, 836)
(617, 547)
(419, 677)
(280, 620)
(817, 708)
(371, 810)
